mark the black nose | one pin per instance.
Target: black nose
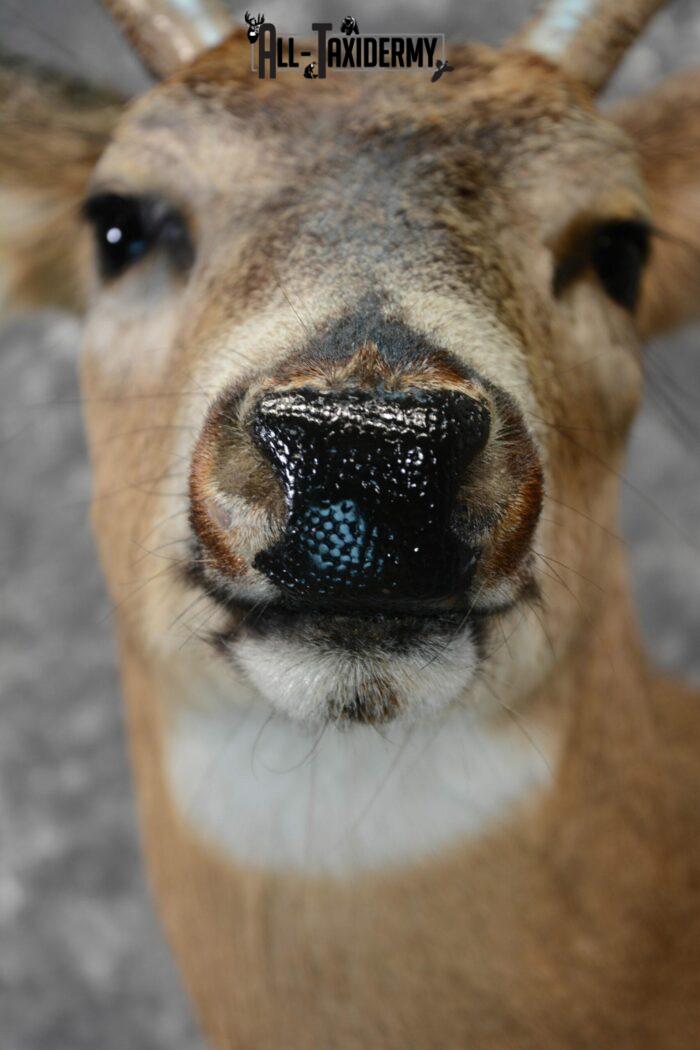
(370, 480)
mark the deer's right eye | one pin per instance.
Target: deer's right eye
(127, 228)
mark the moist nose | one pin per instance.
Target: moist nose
(370, 480)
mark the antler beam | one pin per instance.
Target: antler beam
(168, 34)
(587, 38)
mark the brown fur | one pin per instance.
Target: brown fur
(572, 926)
(577, 922)
(52, 132)
(668, 127)
(215, 536)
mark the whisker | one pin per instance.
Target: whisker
(550, 560)
(642, 496)
(517, 719)
(116, 606)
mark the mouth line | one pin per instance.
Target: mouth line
(342, 625)
(350, 626)
(256, 615)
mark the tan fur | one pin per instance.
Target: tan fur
(572, 926)
(576, 922)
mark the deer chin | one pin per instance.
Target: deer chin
(343, 668)
(344, 664)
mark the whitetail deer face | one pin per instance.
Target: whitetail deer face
(357, 354)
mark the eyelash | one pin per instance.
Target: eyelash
(617, 251)
(126, 229)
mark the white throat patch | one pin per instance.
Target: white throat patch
(270, 794)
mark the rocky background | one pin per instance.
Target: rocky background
(82, 964)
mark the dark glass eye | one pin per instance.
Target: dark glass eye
(127, 228)
(619, 252)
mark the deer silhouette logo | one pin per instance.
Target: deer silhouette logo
(253, 26)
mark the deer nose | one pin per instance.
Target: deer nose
(370, 481)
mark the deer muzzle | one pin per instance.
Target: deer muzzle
(376, 489)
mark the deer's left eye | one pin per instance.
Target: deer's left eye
(619, 252)
(127, 228)
(616, 251)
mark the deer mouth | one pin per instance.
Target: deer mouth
(351, 669)
(319, 663)
(351, 629)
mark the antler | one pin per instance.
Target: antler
(587, 38)
(169, 33)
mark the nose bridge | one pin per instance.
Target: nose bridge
(370, 478)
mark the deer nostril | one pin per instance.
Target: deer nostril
(370, 481)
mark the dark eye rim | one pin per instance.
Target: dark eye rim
(159, 223)
(593, 250)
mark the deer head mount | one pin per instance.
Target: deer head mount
(359, 378)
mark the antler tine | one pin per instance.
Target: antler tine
(168, 34)
(587, 38)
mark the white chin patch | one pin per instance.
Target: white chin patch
(311, 682)
(268, 793)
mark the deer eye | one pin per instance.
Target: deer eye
(127, 228)
(616, 251)
(619, 252)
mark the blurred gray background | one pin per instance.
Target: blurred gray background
(82, 964)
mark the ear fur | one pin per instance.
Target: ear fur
(665, 127)
(52, 131)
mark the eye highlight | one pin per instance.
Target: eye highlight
(128, 228)
(616, 251)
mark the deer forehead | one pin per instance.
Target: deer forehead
(503, 129)
(368, 184)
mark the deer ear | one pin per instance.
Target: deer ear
(665, 127)
(52, 132)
